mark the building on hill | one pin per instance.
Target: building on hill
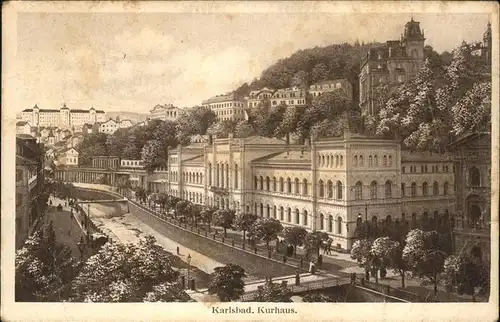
(330, 86)
(23, 127)
(331, 185)
(29, 186)
(391, 64)
(483, 49)
(111, 125)
(226, 107)
(67, 157)
(257, 97)
(472, 157)
(63, 117)
(292, 97)
(167, 112)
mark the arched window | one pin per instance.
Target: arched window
(227, 176)
(370, 161)
(304, 187)
(282, 216)
(341, 160)
(321, 187)
(359, 220)
(297, 186)
(388, 220)
(445, 188)
(330, 223)
(374, 220)
(274, 183)
(339, 225)
(340, 189)
(330, 188)
(268, 184)
(261, 210)
(384, 162)
(289, 185)
(373, 190)
(435, 188)
(336, 161)
(275, 214)
(222, 176)
(323, 161)
(256, 183)
(304, 216)
(413, 189)
(297, 216)
(475, 177)
(390, 160)
(361, 161)
(355, 162)
(388, 189)
(261, 183)
(375, 160)
(321, 222)
(424, 188)
(413, 220)
(281, 184)
(358, 190)
(402, 189)
(289, 215)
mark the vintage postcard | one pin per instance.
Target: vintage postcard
(332, 161)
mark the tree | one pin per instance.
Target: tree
(207, 214)
(151, 155)
(472, 113)
(273, 292)
(44, 268)
(314, 240)
(423, 256)
(93, 144)
(289, 121)
(227, 282)
(243, 129)
(222, 129)
(266, 118)
(319, 73)
(300, 79)
(361, 252)
(197, 120)
(267, 229)
(129, 273)
(130, 151)
(224, 218)
(390, 254)
(295, 236)
(467, 272)
(244, 222)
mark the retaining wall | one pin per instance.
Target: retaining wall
(253, 264)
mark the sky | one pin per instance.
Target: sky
(131, 62)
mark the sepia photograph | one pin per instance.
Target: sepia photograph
(252, 157)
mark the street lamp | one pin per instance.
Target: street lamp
(189, 267)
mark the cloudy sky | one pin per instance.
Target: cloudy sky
(130, 62)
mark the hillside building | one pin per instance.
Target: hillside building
(226, 107)
(166, 112)
(391, 64)
(331, 85)
(63, 118)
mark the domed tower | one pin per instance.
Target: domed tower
(413, 40)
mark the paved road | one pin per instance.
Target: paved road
(67, 231)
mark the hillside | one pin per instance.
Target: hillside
(134, 117)
(308, 66)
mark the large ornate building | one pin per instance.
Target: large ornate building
(395, 62)
(472, 157)
(62, 118)
(329, 185)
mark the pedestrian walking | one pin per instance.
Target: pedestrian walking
(178, 252)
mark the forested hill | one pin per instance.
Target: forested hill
(308, 66)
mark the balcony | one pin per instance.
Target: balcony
(219, 191)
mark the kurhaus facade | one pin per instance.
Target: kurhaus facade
(330, 185)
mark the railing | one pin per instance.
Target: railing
(388, 290)
(304, 287)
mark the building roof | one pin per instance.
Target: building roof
(256, 139)
(80, 111)
(99, 111)
(66, 150)
(300, 157)
(21, 123)
(221, 98)
(467, 137)
(28, 110)
(25, 136)
(416, 156)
